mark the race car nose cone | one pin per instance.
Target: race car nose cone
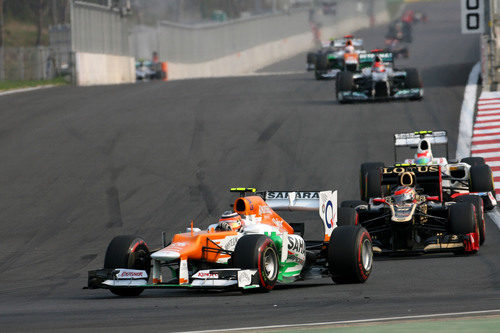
(165, 255)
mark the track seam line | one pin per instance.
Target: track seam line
(360, 321)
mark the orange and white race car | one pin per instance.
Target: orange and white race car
(250, 247)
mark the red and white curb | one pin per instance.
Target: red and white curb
(486, 133)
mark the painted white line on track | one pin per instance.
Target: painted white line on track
(483, 118)
(486, 146)
(16, 91)
(486, 137)
(494, 164)
(467, 113)
(481, 112)
(493, 123)
(359, 321)
(485, 155)
(495, 216)
(486, 131)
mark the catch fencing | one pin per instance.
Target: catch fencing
(181, 43)
(100, 43)
(28, 63)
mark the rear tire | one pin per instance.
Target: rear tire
(352, 203)
(311, 58)
(130, 252)
(258, 252)
(479, 214)
(413, 80)
(350, 254)
(473, 161)
(347, 216)
(321, 66)
(365, 167)
(481, 179)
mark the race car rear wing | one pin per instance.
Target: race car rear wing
(289, 200)
(413, 139)
(325, 202)
(366, 59)
(356, 42)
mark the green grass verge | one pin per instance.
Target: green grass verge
(449, 325)
(9, 85)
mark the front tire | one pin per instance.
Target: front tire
(130, 252)
(479, 214)
(350, 254)
(344, 83)
(461, 218)
(258, 252)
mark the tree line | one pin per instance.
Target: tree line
(40, 12)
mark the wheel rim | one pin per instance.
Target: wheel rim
(367, 255)
(270, 263)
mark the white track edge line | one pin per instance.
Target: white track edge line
(467, 114)
(495, 216)
(356, 321)
(16, 91)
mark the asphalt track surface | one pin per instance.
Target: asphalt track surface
(81, 165)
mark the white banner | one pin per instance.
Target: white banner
(472, 16)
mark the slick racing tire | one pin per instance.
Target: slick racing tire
(129, 252)
(413, 80)
(344, 83)
(321, 66)
(353, 203)
(311, 58)
(363, 175)
(373, 185)
(347, 216)
(350, 254)
(479, 212)
(473, 161)
(258, 252)
(461, 218)
(481, 179)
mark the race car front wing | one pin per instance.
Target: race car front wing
(231, 278)
(361, 96)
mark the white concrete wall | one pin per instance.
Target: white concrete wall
(98, 69)
(248, 61)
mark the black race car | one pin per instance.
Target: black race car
(411, 216)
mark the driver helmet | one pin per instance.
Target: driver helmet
(349, 48)
(232, 219)
(405, 194)
(378, 65)
(424, 153)
(424, 158)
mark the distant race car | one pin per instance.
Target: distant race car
(147, 70)
(413, 216)
(332, 58)
(378, 79)
(251, 247)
